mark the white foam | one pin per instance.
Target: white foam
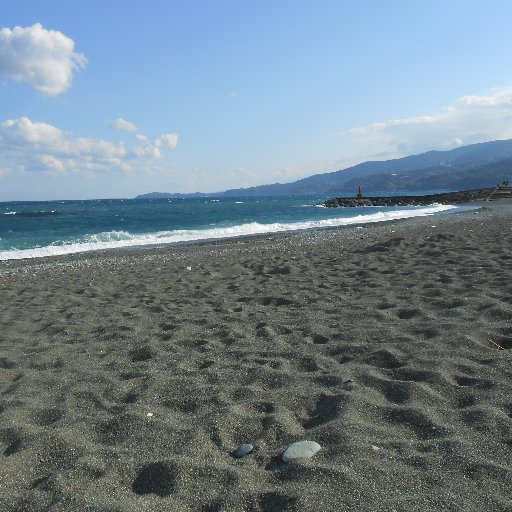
(120, 239)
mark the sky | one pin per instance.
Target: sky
(113, 99)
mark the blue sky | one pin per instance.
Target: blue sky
(113, 99)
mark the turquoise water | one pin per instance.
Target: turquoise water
(35, 229)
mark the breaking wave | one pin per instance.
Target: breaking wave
(121, 239)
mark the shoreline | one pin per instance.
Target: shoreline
(251, 236)
(127, 379)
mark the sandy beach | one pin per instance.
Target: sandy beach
(128, 378)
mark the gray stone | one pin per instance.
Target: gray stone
(243, 449)
(300, 450)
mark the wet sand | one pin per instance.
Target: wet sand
(128, 378)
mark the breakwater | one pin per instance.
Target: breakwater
(465, 196)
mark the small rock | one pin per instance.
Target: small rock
(243, 449)
(300, 450)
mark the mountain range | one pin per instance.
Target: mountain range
(467, 167)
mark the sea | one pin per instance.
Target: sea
(50, 228)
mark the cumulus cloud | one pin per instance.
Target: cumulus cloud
(45, 59)
(123, 124)
(167, 140)
(30, 145)
(151, 149)
(50, 162)
(23, 131)
(468, 120)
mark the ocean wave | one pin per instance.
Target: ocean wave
(121, 239)
(34, 214)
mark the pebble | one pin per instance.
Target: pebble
(300, 450)
(243, 449)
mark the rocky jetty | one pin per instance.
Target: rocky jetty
(465, 196)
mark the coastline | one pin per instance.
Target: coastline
(371, 340)
(283, 229)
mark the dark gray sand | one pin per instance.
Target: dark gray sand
(128, 379)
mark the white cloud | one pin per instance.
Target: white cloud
(498, 97)
(31, 146)
(148, 150)
(123, 124)
(167, 140)
(469, 120)
(23, 131)
(392, 122)
(45, 59)
(51, 162)
(151, 149)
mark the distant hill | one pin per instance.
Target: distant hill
(475, 166)
(455, 177)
